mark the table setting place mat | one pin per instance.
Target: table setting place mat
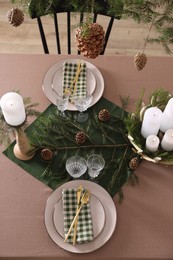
(84, 226)
(106, 138)
(75, 79)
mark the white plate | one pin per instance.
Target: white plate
(48, 78)
(110, 217)
(96, 209)
(58, 79)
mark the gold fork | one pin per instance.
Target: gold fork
(79, 191)
(84, 200)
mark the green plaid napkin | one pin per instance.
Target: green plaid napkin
(84, 228)
(69, 73)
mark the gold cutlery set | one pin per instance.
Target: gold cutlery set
(70, 90)
(73, 85)
(82, 199)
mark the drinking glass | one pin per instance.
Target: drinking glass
(95, 163)
(76, 166)
(62, 103)
(82, 104)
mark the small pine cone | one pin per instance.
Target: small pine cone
(46, 154)
(134, 163)
(91, 43)
(104, 115)
(80, 138)
(15, 17)
(140, 60)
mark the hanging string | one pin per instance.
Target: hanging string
(146, 40)
(90, 11)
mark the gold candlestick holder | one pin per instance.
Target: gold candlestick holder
(23, 150)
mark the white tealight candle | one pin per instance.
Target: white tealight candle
(167, 117)
(167, 141)
(151, 122)
(13, 108)
(152, 143)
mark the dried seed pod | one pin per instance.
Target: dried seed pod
(46, 154)
(15, 17)
(80, 137)
(90, 39)
(134, 163)
(104, 115)
(140, 60)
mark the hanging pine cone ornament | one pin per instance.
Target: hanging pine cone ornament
(90, 40)
(15, 17)
(80, 137)
(134, 163)
(140, 60)
(104, 115)
(46, 154)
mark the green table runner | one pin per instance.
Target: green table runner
(58, 134)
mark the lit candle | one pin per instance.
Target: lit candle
(13, 108)
(167, 117)
(152, 143)
(167, 141)
(151, 122)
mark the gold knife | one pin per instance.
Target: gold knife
(74, 81)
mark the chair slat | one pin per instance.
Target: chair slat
(69, 32)
(57, 34)
(108, 31)
(81, 21)
(42, 34)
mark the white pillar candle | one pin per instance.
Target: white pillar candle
(167, 117)
(152, 143)
(13, 108)
(151, 122)
(167, 141)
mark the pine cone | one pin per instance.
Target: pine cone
(140, 60)
(80, 138)
(91, 43)
(104, 115)
(46, 154)
(15, 17)
(134, 163)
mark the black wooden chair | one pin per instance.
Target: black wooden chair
(69, 14)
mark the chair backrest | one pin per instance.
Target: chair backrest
(69, 11)
(69, 29)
